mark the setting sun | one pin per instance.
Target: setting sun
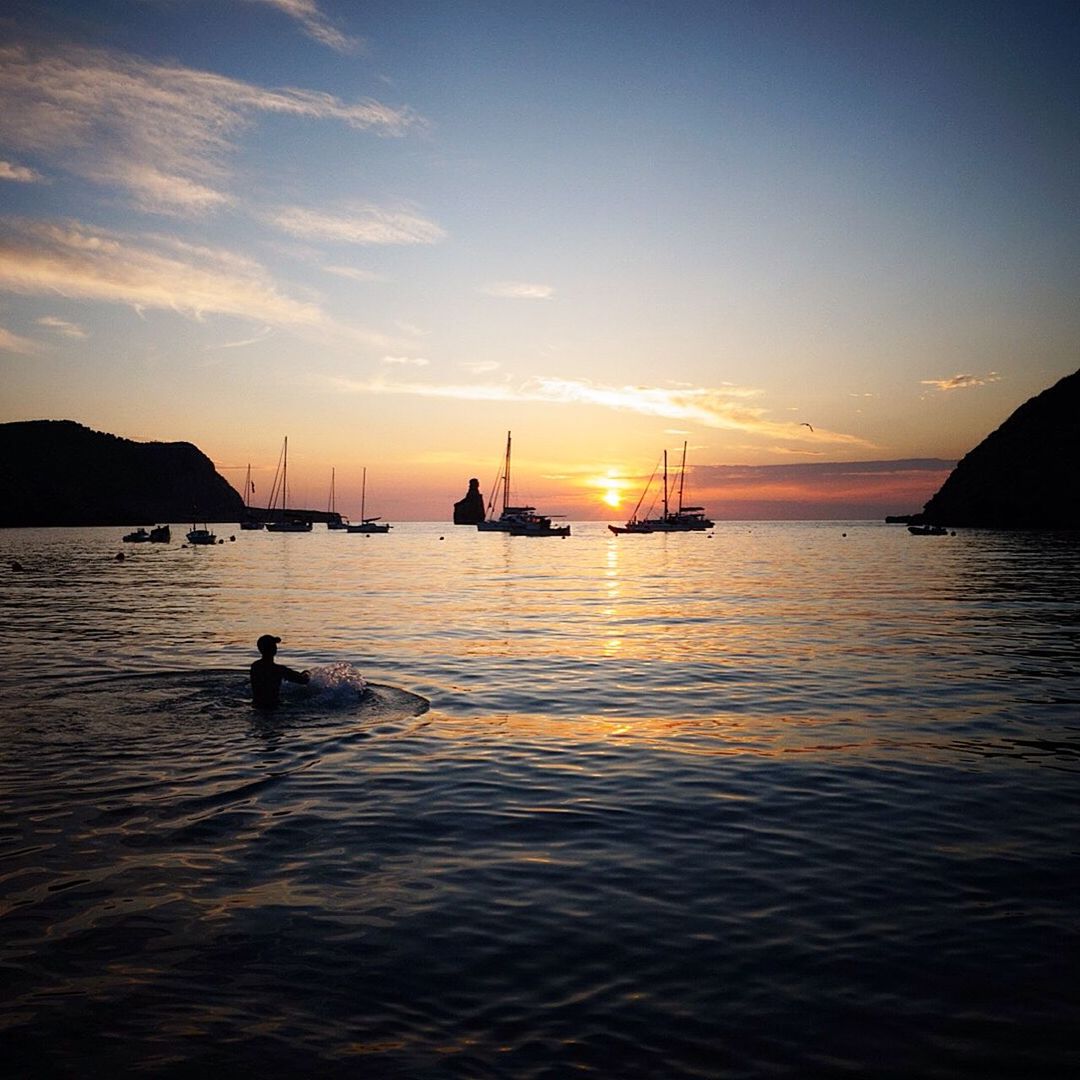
(612, 497)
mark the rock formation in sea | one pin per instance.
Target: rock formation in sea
(58, 472)
(470, 510)
(1025, 475)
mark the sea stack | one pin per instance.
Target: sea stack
(470, 510)
(1025, 475)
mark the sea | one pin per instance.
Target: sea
(776, 800)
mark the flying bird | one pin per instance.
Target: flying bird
(805, 424)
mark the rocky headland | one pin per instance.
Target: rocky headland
(58, 472)
(1024, 475)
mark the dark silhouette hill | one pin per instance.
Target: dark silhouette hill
(1024, 475)
(57, 472)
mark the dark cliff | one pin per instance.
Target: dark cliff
(1025, 475)
(57, 472)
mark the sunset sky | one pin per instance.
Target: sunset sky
(829, 245)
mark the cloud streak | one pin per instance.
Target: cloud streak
(78, 262)
(361, 223)
(517, 290)
(726, 407)
(314, 23)
(19, 174)
(961, 382)
(160, 132)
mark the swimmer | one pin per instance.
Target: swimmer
(266, 676)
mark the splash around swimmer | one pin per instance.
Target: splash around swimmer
(334, 684)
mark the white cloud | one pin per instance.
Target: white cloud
(405, 361)
(517, 290)
(315, 24)
(161, 132)
(20, 174)
(961, 382)
(360, 223)
(353, 274)
(80, 262)
(726, 407)
(481, 367)
(62, 326)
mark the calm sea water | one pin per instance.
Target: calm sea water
(781, 800)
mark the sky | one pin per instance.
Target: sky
(828, 246)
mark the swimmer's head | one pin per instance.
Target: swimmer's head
(267, 644)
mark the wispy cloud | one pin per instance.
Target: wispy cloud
(962, 382)
(79, 262)
(517, 290)
(480, 367)
(726, 407)
(405, 361)
(359, 223)
(353, 273)
(161, 132)
(62, 326)
(315, 24)
(11, 342)
(20, 174)
(262, 335)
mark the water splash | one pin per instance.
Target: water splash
(335, 685)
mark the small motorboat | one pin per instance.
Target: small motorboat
(927, 530)
(139, 536)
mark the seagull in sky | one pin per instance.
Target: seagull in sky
(805, 424)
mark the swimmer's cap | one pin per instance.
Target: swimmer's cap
(265, 641)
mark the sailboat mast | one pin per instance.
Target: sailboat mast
(363, 492)
(665, 486)
(285, 479)
(506, 475)
(682, 475)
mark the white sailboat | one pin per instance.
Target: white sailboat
(516, 520)
(279, 520)
(366, 524)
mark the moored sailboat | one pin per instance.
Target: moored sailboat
(366, 524)
(334, 521)
(249, 522)
(516, 520)
(682, 519)
(284, 522)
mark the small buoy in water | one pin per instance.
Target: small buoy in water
(442, 537)
(232, 539)
(119, 556)
(16, 565)
(843, 534)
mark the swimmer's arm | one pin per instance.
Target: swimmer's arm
(296, 676)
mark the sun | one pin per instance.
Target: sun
(612, 497)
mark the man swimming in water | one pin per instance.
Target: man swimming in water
(266, 676)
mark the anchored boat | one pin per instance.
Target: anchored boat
(682, 519)
(516, 520)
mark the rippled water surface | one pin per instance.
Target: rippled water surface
(780, 800)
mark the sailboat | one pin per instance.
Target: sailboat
(683, 519)
(200, 536)
(249, 522)
(516, 520)
(367, 525)
(284, 523)
(334, 520)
